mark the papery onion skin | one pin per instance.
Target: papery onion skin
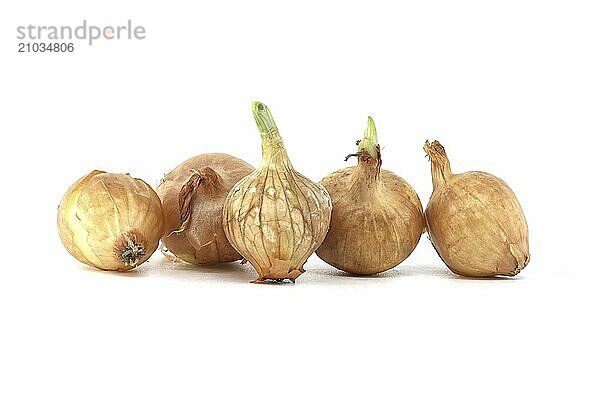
(377, 217)
(275, 217)
(193, 195)
(110, 221)
(475, 221)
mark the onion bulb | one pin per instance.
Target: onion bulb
(475, 221)
(275, 217)
(110, 221)
(377, 217)
(193, 195)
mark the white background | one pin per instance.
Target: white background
(509, 87)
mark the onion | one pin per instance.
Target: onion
(110, 221)
(275, 217)
(377, 217)
(193, 195)
(475, 221)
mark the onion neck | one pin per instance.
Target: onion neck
(440, 165)
(273, 151)
(367, 171)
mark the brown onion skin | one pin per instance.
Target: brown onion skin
(475, 221)
(377, 218)
(201, 239)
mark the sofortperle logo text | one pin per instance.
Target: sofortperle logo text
(85, 31)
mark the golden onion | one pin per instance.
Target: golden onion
(475, 221)
(193, 195)
(275, 217)
(377, 217)
(110, 221)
